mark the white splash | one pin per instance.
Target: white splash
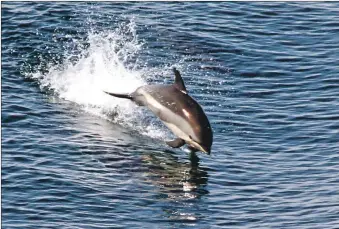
(104, 66)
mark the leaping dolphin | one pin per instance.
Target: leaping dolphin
(178, 111)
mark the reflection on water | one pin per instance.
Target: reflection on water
(180, 185)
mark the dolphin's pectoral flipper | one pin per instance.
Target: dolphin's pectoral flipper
(176, 143)
(179, 82)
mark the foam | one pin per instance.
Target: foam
(106, 64)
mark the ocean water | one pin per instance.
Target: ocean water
(266, 74)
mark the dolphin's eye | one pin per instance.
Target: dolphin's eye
(190, 136)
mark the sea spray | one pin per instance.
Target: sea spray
(107, 62)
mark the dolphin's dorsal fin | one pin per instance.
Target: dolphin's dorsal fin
(178, 82)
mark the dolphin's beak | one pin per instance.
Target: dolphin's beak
(206, 150)
(198, 147)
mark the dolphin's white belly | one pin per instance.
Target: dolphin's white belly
(177, 131)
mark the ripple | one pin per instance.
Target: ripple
(265, 73)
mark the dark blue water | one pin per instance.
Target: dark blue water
(266, 74)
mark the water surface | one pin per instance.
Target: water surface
(265, 73)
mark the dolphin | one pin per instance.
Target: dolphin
(178, 111)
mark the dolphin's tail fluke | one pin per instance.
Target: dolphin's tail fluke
(124, 96)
